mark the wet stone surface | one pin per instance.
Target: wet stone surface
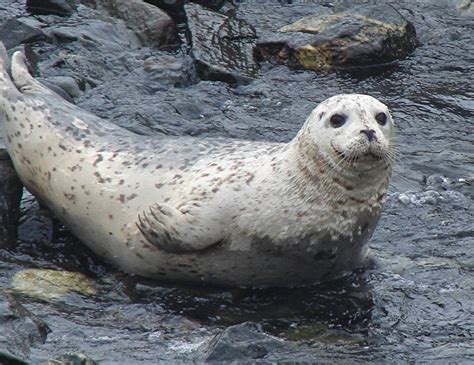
(359, 36)
(416, 305)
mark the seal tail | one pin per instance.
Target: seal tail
(23, 79)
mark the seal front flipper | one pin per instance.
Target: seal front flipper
(178, 230)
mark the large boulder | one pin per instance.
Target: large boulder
(14, 32)
(152, 25)
(360, 36)
(221, 45)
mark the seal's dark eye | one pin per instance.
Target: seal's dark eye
(337, 120)
(381, 118)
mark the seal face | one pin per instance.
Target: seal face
(218, 211)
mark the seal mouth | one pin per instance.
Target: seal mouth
(367, 156)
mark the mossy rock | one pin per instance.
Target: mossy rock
(358, 37)
(50, 284)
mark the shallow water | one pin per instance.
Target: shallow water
(416, 306)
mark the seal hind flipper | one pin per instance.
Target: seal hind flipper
(22, 78)
(176, 230)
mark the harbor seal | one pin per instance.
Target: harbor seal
(217, 211)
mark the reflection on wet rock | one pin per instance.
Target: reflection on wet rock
(221, 45)
(356, 37)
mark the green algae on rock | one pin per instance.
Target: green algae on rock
(356, 37)
(50, 284)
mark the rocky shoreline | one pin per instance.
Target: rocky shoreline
(238, 70)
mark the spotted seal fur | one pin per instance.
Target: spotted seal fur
(217, 211)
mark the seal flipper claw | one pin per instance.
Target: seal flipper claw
(173, 231)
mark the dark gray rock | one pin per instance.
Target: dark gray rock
(20, 330)
(51, 7)
(221, 45)
(152, 25)
(355, 37)
(14, 32)
(242, 342)
(10, 197)
(165, 71)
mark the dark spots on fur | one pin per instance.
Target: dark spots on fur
(54, 169)
(158, 166)
(215, 190)
(98, 159)
(145, 165)
(343, 184)
(111, 216)
(61, 146)
(360, 201)
(167, 200)
(121, 198)
(321, 115)
(177, 176)
(159, 185)
(131, 196)
(250, 177)
(111, 234)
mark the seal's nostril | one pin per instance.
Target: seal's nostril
(370, 133)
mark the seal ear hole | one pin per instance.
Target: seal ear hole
(381, 118)
(337, 120)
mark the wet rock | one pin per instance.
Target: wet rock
(221, 45)
(21, 330)
(10, 197)
(51, 7)
(70, 359)
(242, 341)
(167, 70)
(357, 37)
(152, 26)
(14, 32)
(57, 89)
(66, 83)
